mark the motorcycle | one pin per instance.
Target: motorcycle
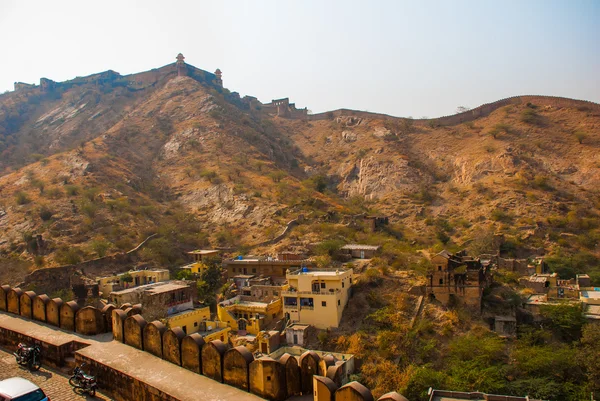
(30, 356)
(85, 382)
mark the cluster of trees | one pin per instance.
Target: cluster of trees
(557, 358)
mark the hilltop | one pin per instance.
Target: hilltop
(97, 164)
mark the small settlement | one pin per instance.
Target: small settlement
(276, 302)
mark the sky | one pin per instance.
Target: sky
(404, 58)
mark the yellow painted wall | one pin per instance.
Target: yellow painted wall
(106, 284)
(195, 268)
(190, 320)
(271, 311)
(330, 294)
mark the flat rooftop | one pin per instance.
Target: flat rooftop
(166, 288)
(359, 247)
(297, 326)
(591, 294)
(154, 288)
(318, 272)
(204, 252)
(134, 271)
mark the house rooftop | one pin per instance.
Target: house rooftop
(154, 288)
(135, 271)
(360, 247)
(244, 276)
(204, 252)
(323, 272)
(591, 294)
(298, 326)
(166, 288)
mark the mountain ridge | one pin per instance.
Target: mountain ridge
(99, 164)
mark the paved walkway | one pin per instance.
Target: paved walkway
(162, 375)
(55, 385)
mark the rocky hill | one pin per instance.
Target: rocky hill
(97, 164)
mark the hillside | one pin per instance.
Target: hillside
(97, 164)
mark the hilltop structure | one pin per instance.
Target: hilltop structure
(458, 278)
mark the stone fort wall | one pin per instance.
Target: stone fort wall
(265, 377)
(470, 115)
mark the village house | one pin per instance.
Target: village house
(551, 285)
(265, 266)
(359, 251)
(296, 334)
(130, 279)
(249, 315)
(198, 321)
(457, 278)
(173, 303)
(200, 257)
(263, 288)
(317, 296)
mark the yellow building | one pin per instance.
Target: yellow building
(317, 296)
(198, 321)
(189, 320)
(246, 314)
(199, 256)
(106, 285)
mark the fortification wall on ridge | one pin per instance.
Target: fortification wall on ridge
(470, 115)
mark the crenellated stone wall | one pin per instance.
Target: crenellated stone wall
(266, 377)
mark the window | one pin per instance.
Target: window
(195, 324)
(323, 303)
(254, 270)
(339, 303)
(290, 301)
(342, 284)
(322, 285)
(441, 281)
(37, 395)
(439, 268)
(268, 378)
(275, 293)
(184, 328)
(306, 302)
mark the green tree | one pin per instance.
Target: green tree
(100, 247)
(127, 278)
(589, 355)
(565, 319)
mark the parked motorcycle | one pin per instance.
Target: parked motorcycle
(85, 382)
(30, 356)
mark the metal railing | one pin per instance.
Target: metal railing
(296, 293)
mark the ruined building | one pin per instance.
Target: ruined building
(457, 278)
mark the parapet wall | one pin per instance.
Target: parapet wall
(266, 377)
(66, 315)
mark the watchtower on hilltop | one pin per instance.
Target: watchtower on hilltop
(181, 70)
(219, 79)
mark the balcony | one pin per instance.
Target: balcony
(301, 293)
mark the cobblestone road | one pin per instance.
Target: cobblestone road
(55, 385)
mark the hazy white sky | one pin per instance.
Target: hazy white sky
(405, 58)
